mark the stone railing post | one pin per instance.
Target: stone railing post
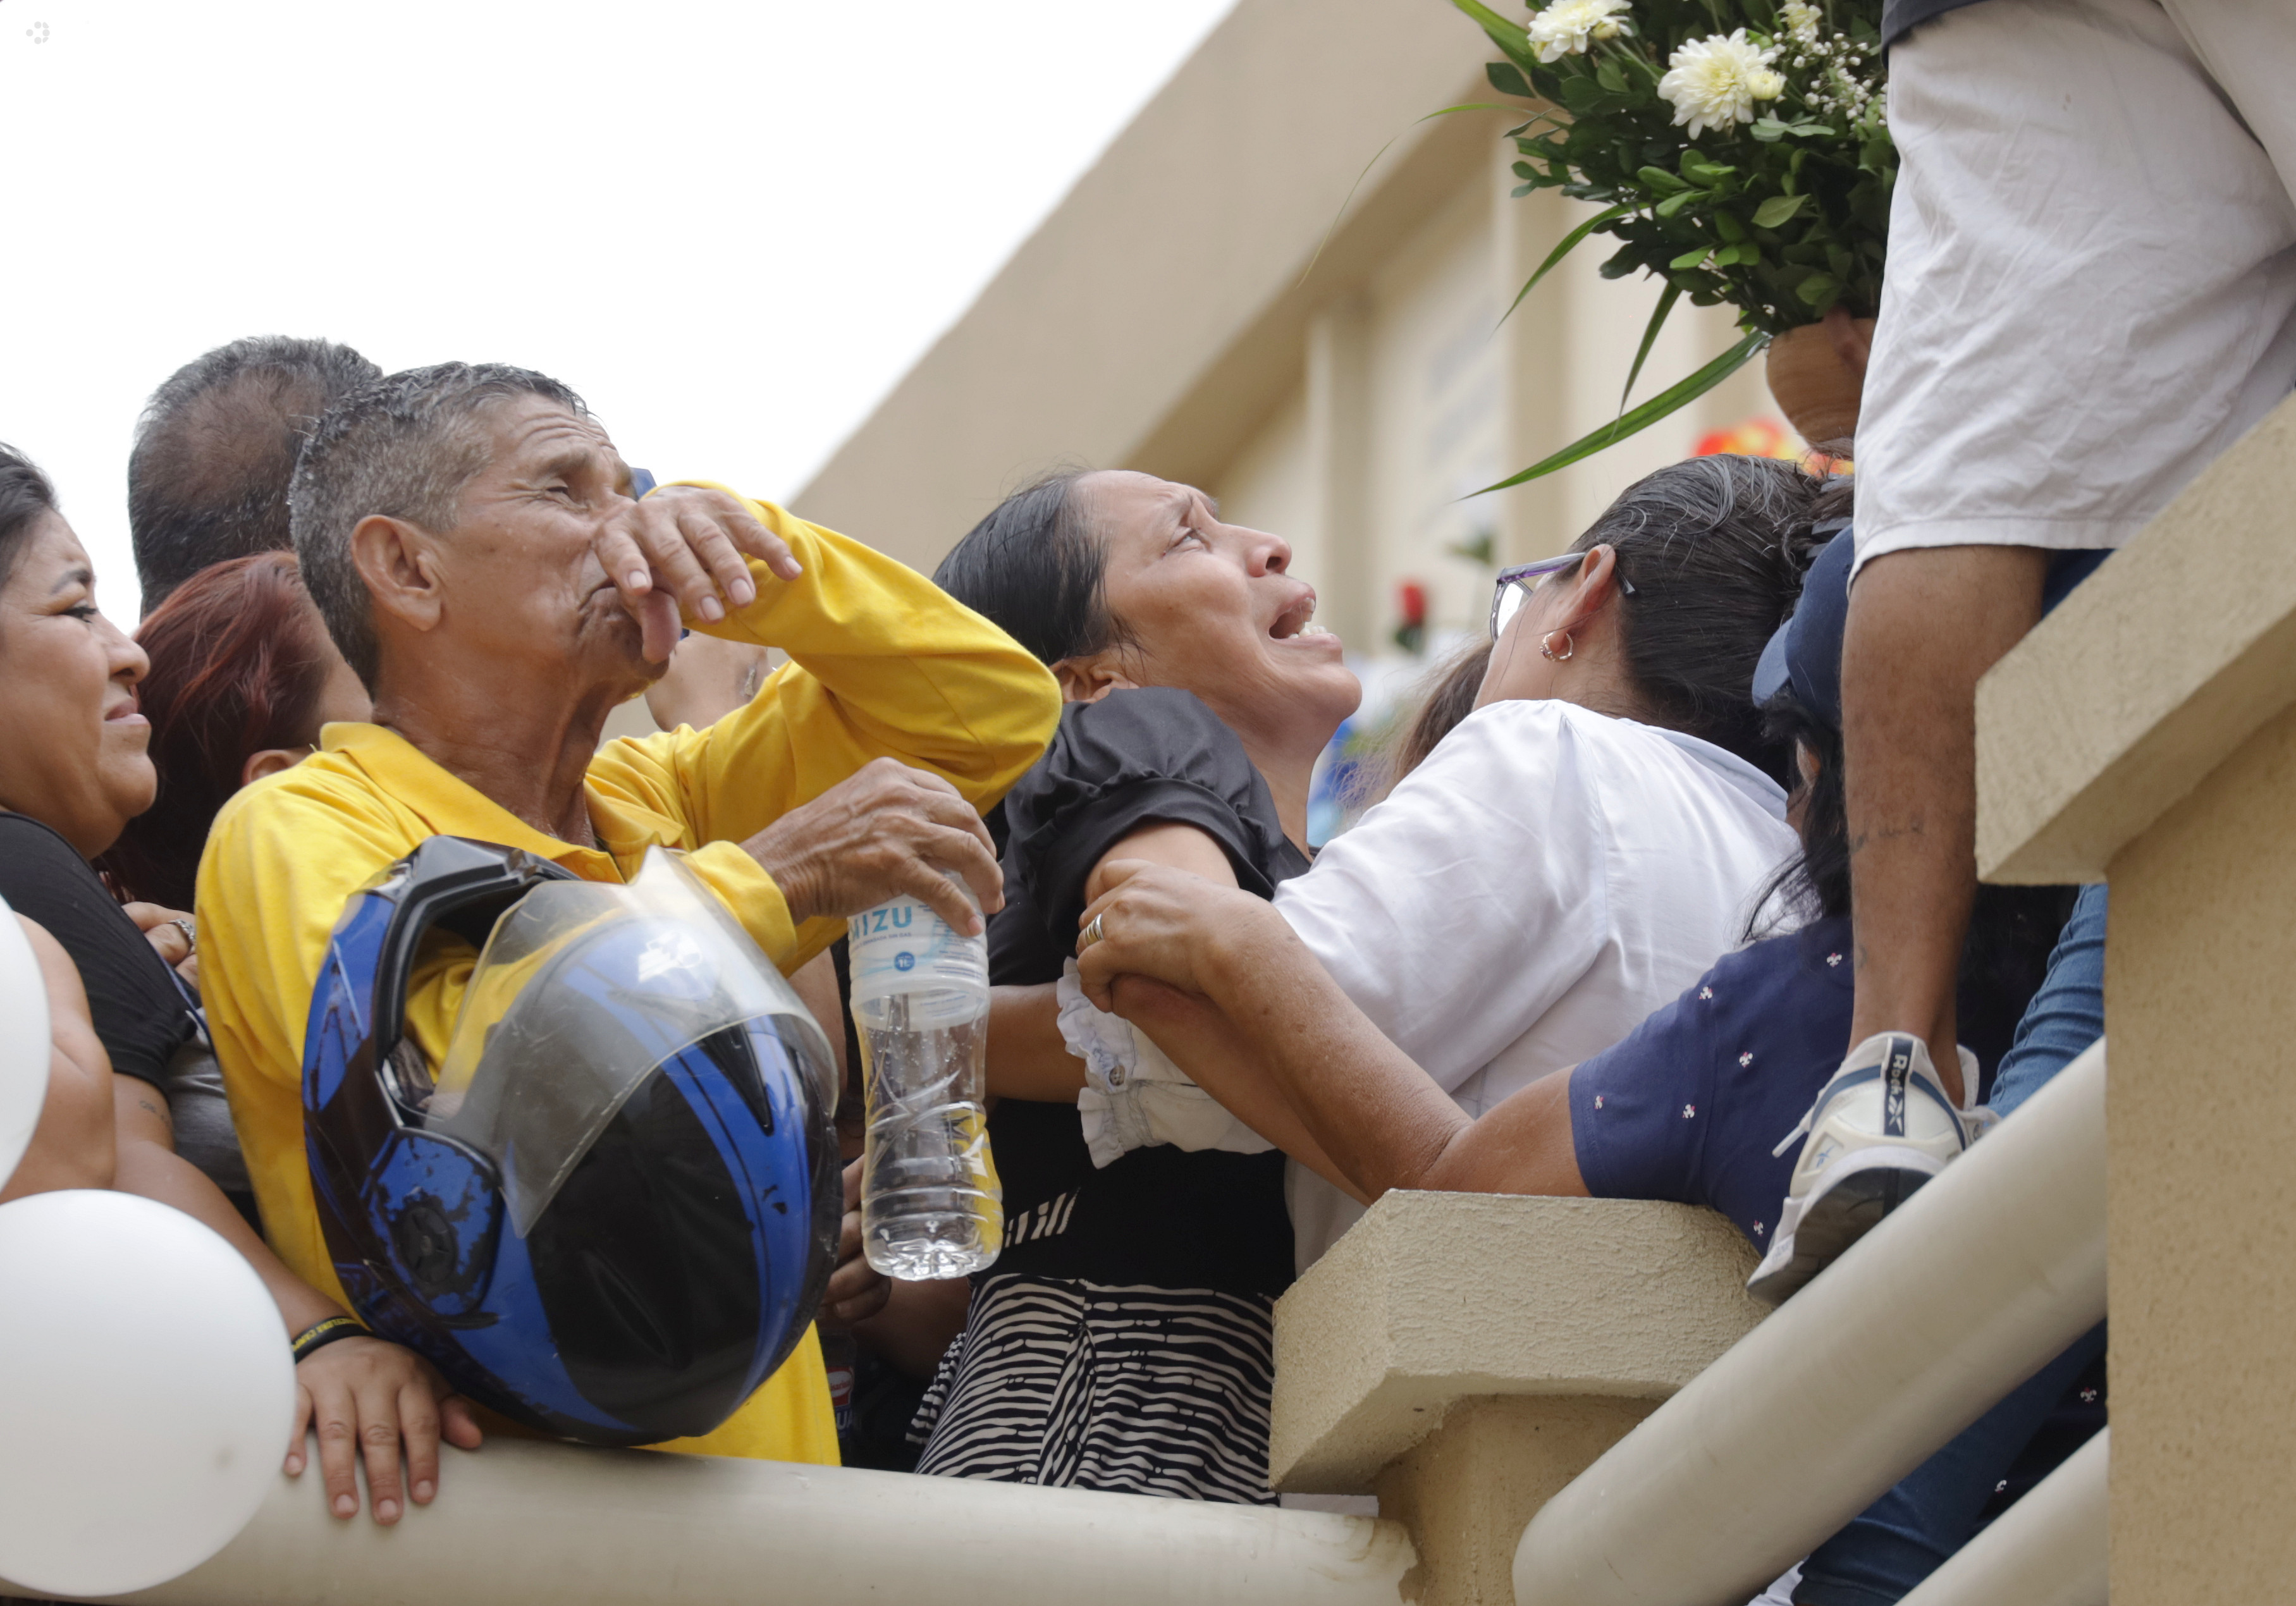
(1465, 1355)
(2145, 734)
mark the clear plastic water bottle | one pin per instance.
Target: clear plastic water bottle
(931, 1206)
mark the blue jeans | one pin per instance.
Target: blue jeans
(1905, 1535)
(2066, 1015)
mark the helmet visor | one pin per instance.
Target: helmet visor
(582, 990)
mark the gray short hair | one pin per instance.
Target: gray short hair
(404, 446)
(215, 447)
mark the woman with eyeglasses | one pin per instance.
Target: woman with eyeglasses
(1593, 836)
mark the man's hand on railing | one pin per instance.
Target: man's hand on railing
(369, 1397)
(887, 830)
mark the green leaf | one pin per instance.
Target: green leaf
(1727, 225)
(1816, 288)
(1569, 243)
(1509, 36)
(1767, 130)
(1607, 74)
(1585, 96)
(1627, 258)
(1658, 406)
(1662, 181)
(1675, 203)
(1507, 79)
(1778, 210)
(1692, 258)
(1666, 301)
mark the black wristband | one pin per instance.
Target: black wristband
(319, 1335)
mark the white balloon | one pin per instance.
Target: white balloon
(23, 1042)
(145, 1393)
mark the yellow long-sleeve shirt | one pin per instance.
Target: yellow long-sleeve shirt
(883, 663)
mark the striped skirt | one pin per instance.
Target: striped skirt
(1137, 1390)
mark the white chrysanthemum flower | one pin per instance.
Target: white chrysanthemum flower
(1565, 27)
(1714, 82)
(1801, 19)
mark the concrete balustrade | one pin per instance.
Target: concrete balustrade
(526, 1524)
(1964, 1292)
(1465, 1355)
(2146, 735)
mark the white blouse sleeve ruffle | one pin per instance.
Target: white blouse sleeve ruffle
(1134, 1097)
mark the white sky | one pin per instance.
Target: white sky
(732, 226)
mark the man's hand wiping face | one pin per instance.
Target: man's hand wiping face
(686, 547)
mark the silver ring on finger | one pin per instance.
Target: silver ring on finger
(191, 934)
(1092, 934)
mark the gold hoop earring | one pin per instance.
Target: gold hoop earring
(1547, 646)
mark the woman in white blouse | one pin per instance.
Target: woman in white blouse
(1577, 851)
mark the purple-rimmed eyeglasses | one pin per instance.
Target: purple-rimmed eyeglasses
(1515, 582)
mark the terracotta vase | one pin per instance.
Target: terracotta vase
(1816, 372)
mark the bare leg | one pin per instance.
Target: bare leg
(1925, 624)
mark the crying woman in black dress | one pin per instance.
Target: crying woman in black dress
(1122, 1341)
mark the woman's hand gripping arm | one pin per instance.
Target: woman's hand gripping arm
(1224, 975)
(1028, 1057)
(1195, 1035)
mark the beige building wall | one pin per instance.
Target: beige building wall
(1220, 300)
(2145, 733)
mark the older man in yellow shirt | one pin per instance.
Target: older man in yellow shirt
(469, 534)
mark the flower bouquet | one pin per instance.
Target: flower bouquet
(1738, 150)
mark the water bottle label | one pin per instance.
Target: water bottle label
(903, 947)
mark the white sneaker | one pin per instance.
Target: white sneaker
(1881, 1128)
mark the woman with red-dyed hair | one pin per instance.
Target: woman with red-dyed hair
(243, 676)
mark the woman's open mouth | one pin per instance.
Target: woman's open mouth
(1297, 623)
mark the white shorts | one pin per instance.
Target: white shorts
(2092, 278)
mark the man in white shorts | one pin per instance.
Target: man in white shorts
(2091, 293)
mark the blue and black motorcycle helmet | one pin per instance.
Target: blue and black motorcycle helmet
(609, 1213)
